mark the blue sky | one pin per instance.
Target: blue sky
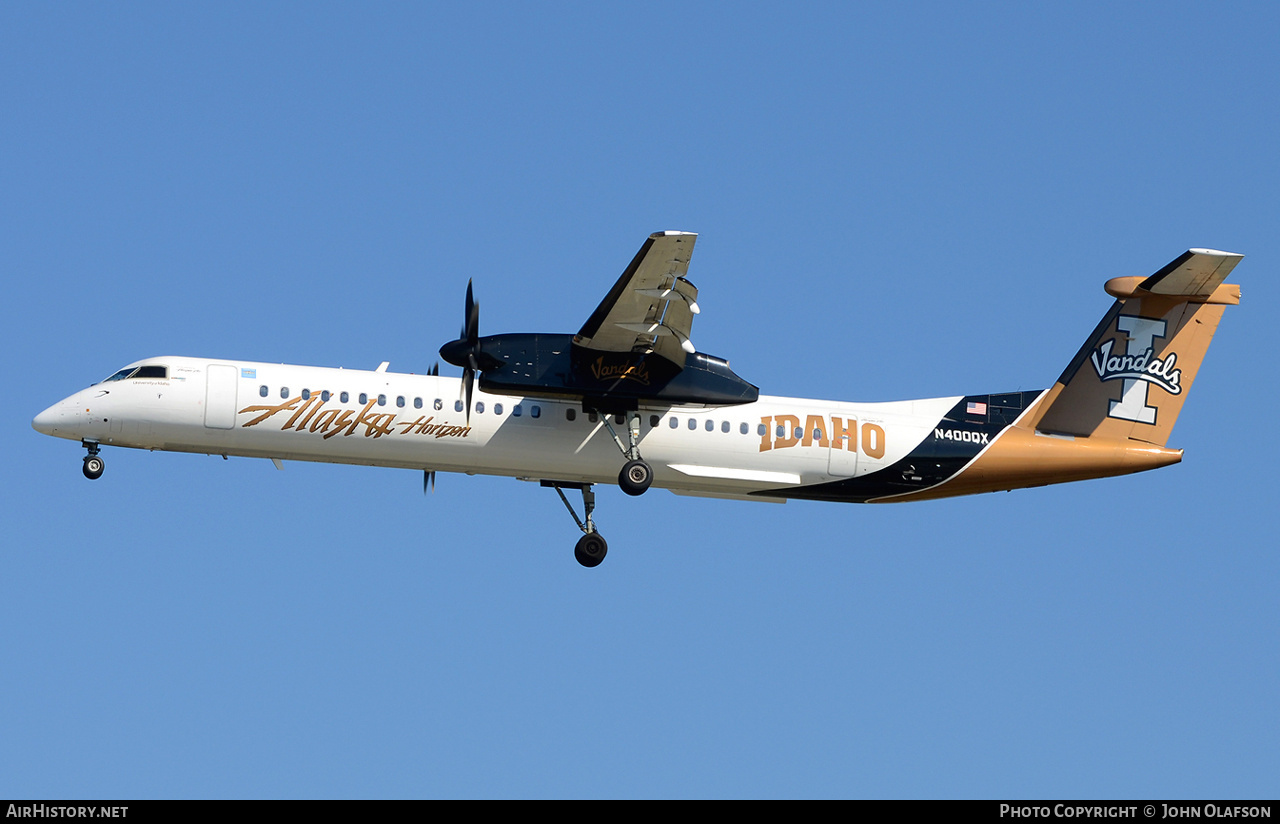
(893, 201)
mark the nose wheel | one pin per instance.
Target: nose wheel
(93, 463)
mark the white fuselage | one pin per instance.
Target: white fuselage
(380, 418)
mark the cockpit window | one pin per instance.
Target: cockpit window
(138, 372)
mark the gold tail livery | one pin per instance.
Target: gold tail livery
(630, 400)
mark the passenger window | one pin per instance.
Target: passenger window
(497, 409)
(535, 411)
(516, 411)
(744, 429)
(417, 403)
(438, 404)
(593, 417)
(619, 419)
(382, 400)
(675, 422)
(284, 392)
(761, 430)
(479, 407)
(782, 431)
(400, 401)
(364, 398)
(799, 433)
(817, 434)
(693, 424)
(724, 427)
(262, 391)
(570, 414)
(457, 406)
(653, 421)
(344, 397)
(711, 425)
(324, 396)
(306, 394)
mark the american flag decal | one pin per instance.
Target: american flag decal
(975, 408)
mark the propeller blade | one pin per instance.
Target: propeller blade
(434, 371)
(428, 479)
(471, 327)
(468, 379)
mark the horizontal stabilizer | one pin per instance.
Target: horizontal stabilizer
(1197, 272)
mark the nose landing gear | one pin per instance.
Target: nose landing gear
(93, 464)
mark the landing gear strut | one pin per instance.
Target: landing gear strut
(93, 464)
(636, 474)
(591, 547)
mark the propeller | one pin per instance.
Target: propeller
(465, 351)
(429, 475)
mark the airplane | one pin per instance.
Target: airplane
(630, 400)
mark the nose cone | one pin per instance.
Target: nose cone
(59, 420)
(47, 420)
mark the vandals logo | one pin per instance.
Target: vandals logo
(622, 371)
(1137, 366)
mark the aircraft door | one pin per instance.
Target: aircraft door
(842, 460)
(220, 396)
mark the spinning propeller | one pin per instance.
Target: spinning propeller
(465, 351)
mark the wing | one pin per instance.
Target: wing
(651, 307)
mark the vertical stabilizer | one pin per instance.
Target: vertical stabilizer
(1129, 380)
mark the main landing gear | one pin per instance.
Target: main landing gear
(635, 477)
(636, 474)
(591, 547)
(93, 464)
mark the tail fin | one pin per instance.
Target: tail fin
(1131, 376)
